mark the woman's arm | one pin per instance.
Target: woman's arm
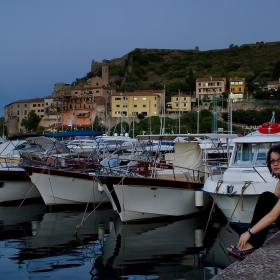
(277, 189)
(263, 223)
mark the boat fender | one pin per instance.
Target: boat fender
(198, 238)
(199, 199)
(99, 187)
(101, 230)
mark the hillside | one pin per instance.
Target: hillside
(178, 69)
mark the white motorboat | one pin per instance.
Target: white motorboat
(236, 188)
(15, 185)
(151, 189)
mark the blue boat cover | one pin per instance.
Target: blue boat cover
(74, 133)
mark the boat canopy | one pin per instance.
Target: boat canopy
(73, 133)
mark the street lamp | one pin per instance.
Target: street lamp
(231, 98)
(198, 115)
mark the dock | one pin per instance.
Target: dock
(261, 265)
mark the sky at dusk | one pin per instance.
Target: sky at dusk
(52, 41)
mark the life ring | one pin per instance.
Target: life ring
(269, 128)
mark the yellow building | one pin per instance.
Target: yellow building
(179, 103)
(237, 88)
(129, 104)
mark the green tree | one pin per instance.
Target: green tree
(276, 71)
(32, 121)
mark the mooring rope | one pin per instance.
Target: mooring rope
(245, 186)
(34, 184)
(78, 227)
(213, 204)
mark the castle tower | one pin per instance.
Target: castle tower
(105, 73)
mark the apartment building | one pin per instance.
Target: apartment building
(15, 112)
(206, 87)
(129, 104)
(273, 85)
(237, 87)
(179, 103)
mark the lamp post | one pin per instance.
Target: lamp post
(231, 98)
(198, 115)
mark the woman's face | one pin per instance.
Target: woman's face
(275, 163)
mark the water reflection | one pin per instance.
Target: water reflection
(37, 243)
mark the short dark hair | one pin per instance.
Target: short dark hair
(273, 149)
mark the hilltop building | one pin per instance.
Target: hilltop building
(130, 104)
(206, 87)
(180, 103)
(237, 87)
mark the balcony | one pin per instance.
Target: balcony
(83, 114)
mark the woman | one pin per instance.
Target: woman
(267, 211)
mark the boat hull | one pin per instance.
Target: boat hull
(142, 198)
(237, 207)
(58, 187)
(16, 185)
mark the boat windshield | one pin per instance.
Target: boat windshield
(251, 154)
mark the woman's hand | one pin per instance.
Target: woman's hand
(243, 240)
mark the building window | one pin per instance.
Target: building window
(124, 113)
(199, 84)
(135, 106)
(118, 98)
(240, 89)
(177, 105)
(25, 112)
(90, 91)
(144, 105)
(39, 105)
(185, 105)
(34, 105)
(25, 105)
(219, 83)
(18, 112)
(155, 98)
(97, 91)
(135, 98)
(144, 98)
(18, 105)
(125, 98)
(134, 114)
(155, 105)
(124, 105)
(76, 92)
(177, 98)
(185, 98)
(199, 90)
(117, 112)
(118, 105)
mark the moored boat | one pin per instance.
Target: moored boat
(236, 190)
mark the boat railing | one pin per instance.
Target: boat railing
(155, 170)
(215, 167)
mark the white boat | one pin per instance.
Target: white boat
(144, 189)
(65, 186)
(236, 188)
(60, 178)
(15, 185)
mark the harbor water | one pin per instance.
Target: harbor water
(59, 243)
